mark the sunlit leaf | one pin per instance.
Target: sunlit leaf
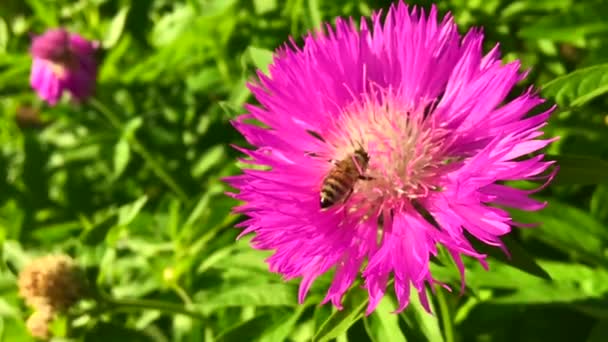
(261, 58)
(569, 229)
(251, 295)
(354, 302)
(116, 28)
(422, 325)
(122, 154)
(127, 213)
(383, 324)
(578, 87)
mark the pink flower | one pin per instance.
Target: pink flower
(63, 61)
(431, 112)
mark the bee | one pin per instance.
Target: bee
(339, 183)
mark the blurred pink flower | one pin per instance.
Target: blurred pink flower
(63, 61)
(431, 113)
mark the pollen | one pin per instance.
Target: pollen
(407, 150)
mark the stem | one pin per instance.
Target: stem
(182, 294)
(156, 167)
(113, 304)
(446, 317)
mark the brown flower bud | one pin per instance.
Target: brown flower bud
(53, 282)
(38, 323)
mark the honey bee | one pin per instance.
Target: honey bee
(339, 183)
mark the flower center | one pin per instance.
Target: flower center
(406, 151)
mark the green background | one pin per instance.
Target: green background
(129, 182)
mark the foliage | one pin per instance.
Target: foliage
(129, 183)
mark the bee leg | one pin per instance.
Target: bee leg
(348, 196)
(363, 177)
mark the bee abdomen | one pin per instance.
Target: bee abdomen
(334, 190)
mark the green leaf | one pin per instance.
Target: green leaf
(519, 257)
(14, 330)
(131, 127)
(514, 9)
(281, 330)
(44, 11)
(245, 331)
(4, 35)
(213, 156)
(13, 255)
(116, 28)
(422, 325)
(571, 283)
(574, 25)
(570, 229)
(247, 295)
(314, 14)
(172, 25)
(122, 154)
(95, 233)
(383, 325)
(599, 203)
(580, 170)
(578, 87)
(103, 332)
(261, 58)
(599, 332)
(339, 321)
(128, 212)
(264, 6)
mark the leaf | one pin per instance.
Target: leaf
(571, 283)
(599, 203)
(314, 14)
(213, 156)
(103, 332)
(515, 9)
(94, 234)
(122, 154)
(4, 35)
(264, 6)
(420, 322)
(7, 310)
(44, 11)
(245, 331)
(569, 229)
(574, 25)
(246, 295)
(280, 331)
(205, 80)
(14, 330)
(579, 87)
(261, 57)
(128, 212)
(131, 127)
(580, 170)
(599, 332)
(519, 257)
(339, 321)
(383, 325)
(13, 255)
(116, 27)
(171, 25)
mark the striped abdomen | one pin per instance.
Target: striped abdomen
(341, 179)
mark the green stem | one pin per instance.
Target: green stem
(113, 304)
(156, 167)
(446, 317)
